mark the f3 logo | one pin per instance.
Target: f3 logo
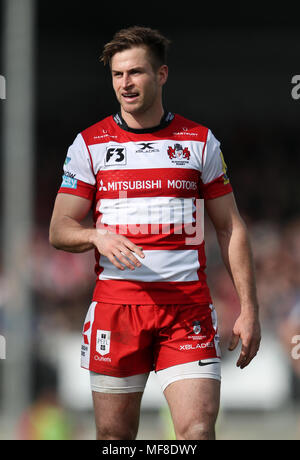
(115, 155)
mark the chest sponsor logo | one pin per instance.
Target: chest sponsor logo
(102, 187)
(115, 155)
(179, 155)
(147, 185)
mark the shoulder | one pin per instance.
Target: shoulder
(189, 129)
(100, 131)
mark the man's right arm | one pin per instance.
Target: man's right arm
(68, 234)
(66, 231)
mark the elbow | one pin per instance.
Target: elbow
(235, 226)
(53, 240)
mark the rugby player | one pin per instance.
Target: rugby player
(147, 174)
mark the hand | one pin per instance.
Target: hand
(116, 247)
(246, 328)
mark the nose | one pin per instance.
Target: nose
(126, 83)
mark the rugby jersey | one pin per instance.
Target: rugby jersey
(149, 185)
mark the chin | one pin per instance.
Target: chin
(133, 110)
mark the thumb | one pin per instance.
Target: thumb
(234, 341)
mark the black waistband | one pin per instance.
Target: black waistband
(164, 122)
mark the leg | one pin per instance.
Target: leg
(117, 334)
(117, 404)
(117, 415)
(194, 405)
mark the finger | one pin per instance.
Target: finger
(247, 352)
(252, 353)
(246, 362)
(234, 341)
(134, 248)
(243, 356)
(127, 253)
(115, 262)
(117, 253)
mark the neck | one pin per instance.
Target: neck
(147, 119)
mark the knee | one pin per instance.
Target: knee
(197, 425)
(196, 431)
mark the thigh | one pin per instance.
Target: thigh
(117, 404)
(194, 405)
(117, 415)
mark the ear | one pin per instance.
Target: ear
(163, 73)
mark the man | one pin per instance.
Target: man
(146, 173)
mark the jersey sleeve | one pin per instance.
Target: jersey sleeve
(214, 179)
(78, 176)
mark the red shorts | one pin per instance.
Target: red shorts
(125, 340)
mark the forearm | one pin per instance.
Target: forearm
(69, 235)
(237, 256)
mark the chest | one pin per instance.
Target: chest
(147, 168)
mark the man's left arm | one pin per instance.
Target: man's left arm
(236, 252)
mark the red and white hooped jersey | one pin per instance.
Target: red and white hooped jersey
(149, 185)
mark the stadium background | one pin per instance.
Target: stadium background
(230, 70)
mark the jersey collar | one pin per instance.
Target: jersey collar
(164, 122)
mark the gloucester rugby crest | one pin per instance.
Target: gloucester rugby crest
(179, 155)
(196, 327)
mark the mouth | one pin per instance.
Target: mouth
(130, 97)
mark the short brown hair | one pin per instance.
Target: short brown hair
(138, 36)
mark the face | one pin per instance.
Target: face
(137, 85)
